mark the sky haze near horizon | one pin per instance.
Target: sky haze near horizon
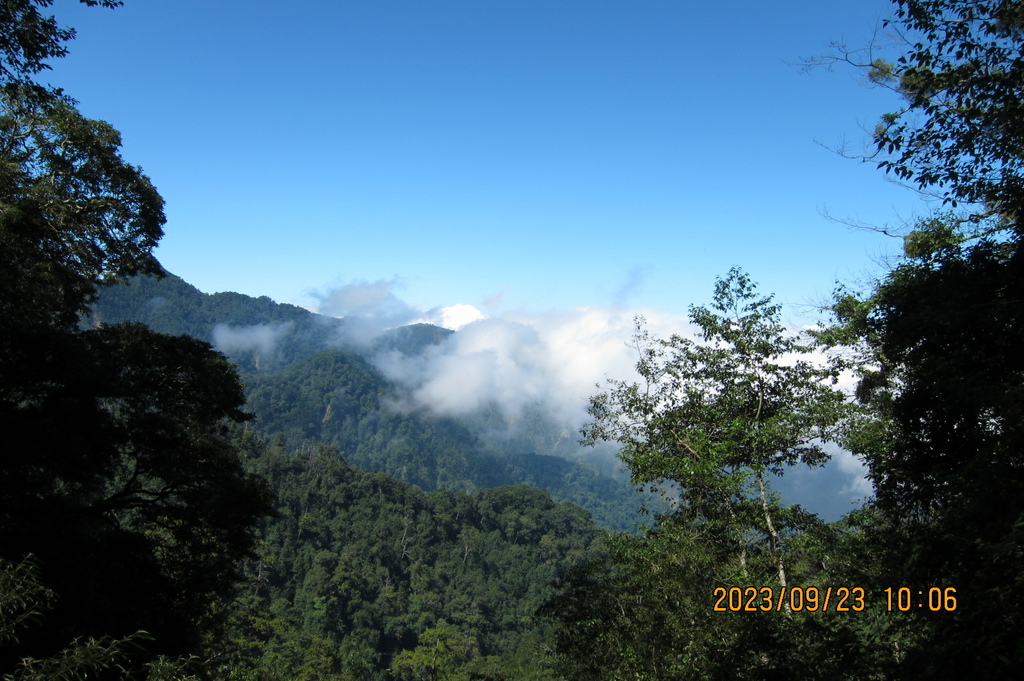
(525, 156)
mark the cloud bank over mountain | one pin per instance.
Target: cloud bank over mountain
(518, 361)
(259, 338)
(521, 364)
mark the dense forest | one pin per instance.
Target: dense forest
(357, 574)
(170, 512)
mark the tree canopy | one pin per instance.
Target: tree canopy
(962, 79)
(957, 136)
(116, 478)
(713, 421)
(940, 333)
(28, 38)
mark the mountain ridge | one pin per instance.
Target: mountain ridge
(308, 381)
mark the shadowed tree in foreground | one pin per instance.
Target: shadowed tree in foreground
(116, 479)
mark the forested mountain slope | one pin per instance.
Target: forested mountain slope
(359, 573)
(304, 379)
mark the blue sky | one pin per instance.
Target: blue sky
(556, 165)
(508, 155)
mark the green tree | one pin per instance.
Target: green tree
(28, 39)
(115, 472)
(715, 419)
(440, 656)
(958, 133)
(939, 335)
(710, 425)
(961, 79)
(943, 379)
(73, 214)
(23, 600)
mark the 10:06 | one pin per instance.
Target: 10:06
(935, 599)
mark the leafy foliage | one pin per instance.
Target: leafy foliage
(939, 338)
(116, 476)
(359, 573)
(28, 39)
(944, 446)
(72, 213)
(957, 136)
(711, 419)
(962, 78)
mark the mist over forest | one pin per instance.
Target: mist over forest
(519, 383)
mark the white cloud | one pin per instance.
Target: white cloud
(260, 338)
(520, 360)
(453, 317)
(369, 308)
(858, 486)
(367, 299)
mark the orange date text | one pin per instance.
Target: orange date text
(795, 599)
